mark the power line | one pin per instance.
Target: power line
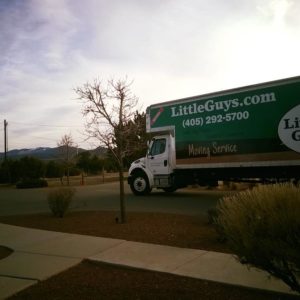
(26, 138)
(45, 125)
(40, 137)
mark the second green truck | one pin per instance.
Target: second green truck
(245, 134)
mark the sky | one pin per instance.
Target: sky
(171, 49)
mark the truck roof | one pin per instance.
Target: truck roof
(227, 92)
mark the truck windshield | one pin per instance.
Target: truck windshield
(158, 147)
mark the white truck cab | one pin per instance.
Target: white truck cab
(156, 169)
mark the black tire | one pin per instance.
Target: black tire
(140, 184)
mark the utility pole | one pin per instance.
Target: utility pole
(5, 139)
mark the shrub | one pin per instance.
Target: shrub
(212, 214)
(212, 217)
(229, 185)
(59, 200)
(262, 227)
(29, 183)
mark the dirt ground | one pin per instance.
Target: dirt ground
(157, 228)
(4, 252)
(101, 281)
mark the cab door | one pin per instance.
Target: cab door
(158, 156)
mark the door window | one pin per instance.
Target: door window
(158, 147)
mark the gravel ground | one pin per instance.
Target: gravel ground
(90, 280)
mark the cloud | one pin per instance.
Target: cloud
(171, 49)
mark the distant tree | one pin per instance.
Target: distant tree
(136, 138)
(54, 169)
(89, 164)
(83, 161)
(6, 171)
(96, 164)
(13, 170)
(110, 164)
(3, 174)
(65, 146)
(107, 109)
(31, 168)
(74, 171)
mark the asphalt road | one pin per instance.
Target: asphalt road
(106, 197)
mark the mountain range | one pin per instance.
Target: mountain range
(47, 153)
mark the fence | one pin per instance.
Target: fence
(85, 180)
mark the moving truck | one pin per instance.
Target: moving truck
(243, 134)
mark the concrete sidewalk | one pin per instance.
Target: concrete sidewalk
(40, 254)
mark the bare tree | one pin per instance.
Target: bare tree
(65, 144)
(107, 109)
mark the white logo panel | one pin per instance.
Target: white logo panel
(289, 129)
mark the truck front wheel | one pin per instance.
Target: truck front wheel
(139, 184)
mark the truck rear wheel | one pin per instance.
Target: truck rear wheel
(139, 184)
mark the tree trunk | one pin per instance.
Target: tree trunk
(68, 176)
(122, 197)
(68, 167)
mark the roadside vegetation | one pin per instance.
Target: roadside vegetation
(59, 200)
(13, 171)
(262, 227)
(29, 172)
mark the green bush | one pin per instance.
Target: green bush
(30, 183)
(262, 227)
(59, 200)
